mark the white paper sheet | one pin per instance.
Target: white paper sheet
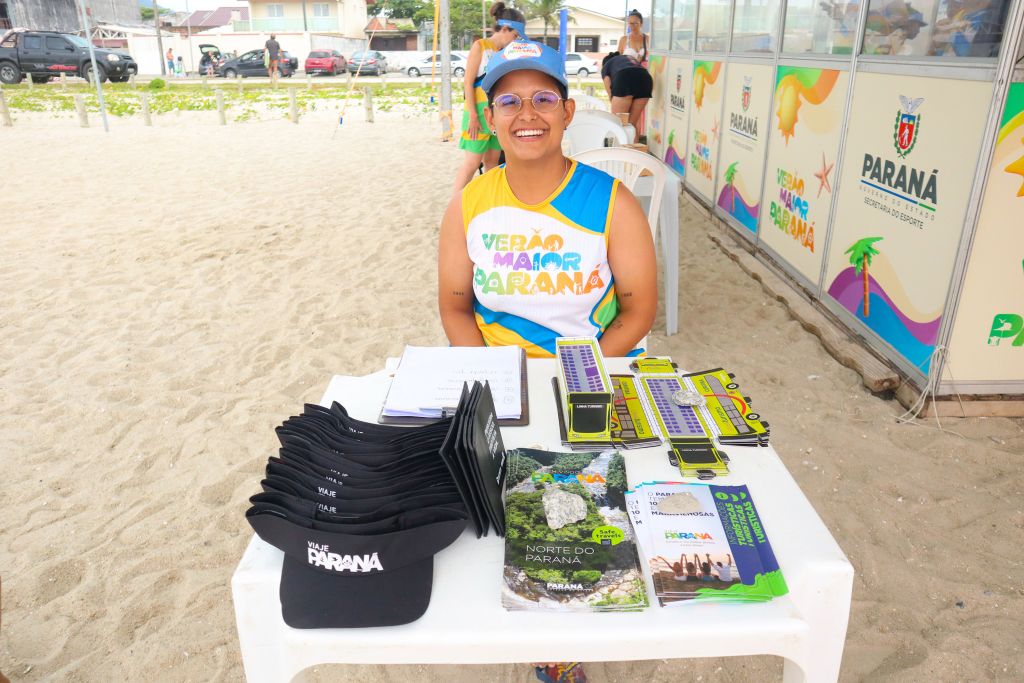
(429, 379)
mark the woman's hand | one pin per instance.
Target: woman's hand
(474, 125)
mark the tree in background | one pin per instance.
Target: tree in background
(465, 17)
(147, 12)
(405, 9)
(546, 10)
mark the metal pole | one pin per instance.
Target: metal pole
(159, 39)
(305, 25)
(95, 68)
(188, 28)
(563, 34)
(483, 17)
(445, 39)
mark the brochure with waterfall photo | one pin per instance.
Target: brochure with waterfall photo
(569, 546)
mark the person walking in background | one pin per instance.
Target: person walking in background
(179, 68)
(272, 52)
(170, 62)
(478, 141)
(635, 42)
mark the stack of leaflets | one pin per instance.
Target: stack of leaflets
(569, 546)
(704, 542)
(475, 456)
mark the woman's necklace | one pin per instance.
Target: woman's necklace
(568, 165)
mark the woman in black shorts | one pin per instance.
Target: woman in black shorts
(629, 85)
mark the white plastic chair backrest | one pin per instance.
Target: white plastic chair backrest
(604, 115)
(585, 102)
(626, 165)
(589, 128)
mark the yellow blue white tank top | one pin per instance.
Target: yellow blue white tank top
(541, 271)
(487, 51)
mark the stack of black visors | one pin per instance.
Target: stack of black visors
(360, 509)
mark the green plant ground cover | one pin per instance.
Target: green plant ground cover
(244, 104)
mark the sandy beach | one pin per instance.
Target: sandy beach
(169, 295)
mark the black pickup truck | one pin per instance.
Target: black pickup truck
(42, 55)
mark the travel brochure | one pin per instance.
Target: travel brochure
(569, 546)
(704, 543)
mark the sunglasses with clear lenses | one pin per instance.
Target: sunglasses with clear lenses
(543, 101)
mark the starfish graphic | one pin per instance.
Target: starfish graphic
(714, 130)
(822, 175)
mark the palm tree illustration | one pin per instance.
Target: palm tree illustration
(730, 174)
(860, 253)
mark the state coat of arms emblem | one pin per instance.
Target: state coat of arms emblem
(908, 125)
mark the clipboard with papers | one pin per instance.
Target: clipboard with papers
(428, 383)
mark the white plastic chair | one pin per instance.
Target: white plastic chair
(585, 102)
(590, 127)
(626, 165)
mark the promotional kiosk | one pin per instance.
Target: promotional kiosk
(873, 152)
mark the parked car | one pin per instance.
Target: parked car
(424, 65)
(368, 62)
(251, 64)
(292, 60)
(324, 62)
(41, 55)
(214, 54)
(575, 63)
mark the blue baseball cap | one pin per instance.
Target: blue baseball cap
(525, 54)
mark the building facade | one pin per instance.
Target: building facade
(63, 15)
(587, 31)
(341, 17)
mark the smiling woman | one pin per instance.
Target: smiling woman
(542, 247)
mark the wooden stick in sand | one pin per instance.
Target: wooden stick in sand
(83, 115)
(220, 107)
(5, 114)
(368, 104)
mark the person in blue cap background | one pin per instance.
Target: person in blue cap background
(543, 247)
(890, 29)
(479, 142)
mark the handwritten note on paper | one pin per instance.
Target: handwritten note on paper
(429, 379)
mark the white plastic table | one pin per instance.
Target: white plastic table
(465, 623)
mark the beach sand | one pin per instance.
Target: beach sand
(170, 294)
